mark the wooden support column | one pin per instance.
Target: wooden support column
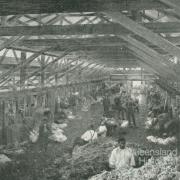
(42, 78)
(4, 138)
(3, 20)
(67, 78)
(56, 79)
(23, 69)
(56, 99)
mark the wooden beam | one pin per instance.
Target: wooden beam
(90, 68)
(71, 41)
(47, 65)
(61, 70)
(118, 62)
(175, 4)
(84, 41)
(23, 69)
(8, 42)
(70, 70)
(163, 61)
(61, 30)
(144, 33)
(3, 56)
(42, 61)
(174, 40)
(162, 27)
(80, 69)
(11, 61)
(148, 60)
(22, 93)
(148, 68)
(89, 44)
(110, 53)
(95, 47)
(14, 7)
(3, 123)
(6, 75)
(93, 70)
(83, 68)
(80, 29)
(32, 50)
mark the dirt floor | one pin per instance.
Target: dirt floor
(33, 164)
(76, 127)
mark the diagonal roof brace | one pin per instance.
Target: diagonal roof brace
(143, 32)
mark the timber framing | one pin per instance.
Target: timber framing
(105, 36)
(60, 6)
(80, 29)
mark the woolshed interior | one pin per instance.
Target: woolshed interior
(90, 90)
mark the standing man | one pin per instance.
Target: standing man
(44, 130)
(123, 104)
(106, 105)
(121, 157)
(118, 108)
(130, 112)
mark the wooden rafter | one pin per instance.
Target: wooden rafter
(6, 75)
(8, 42)
(59, 6)
(3, 56)
(144, 33)
(148, 60)
(47, 65)
(157, 57)
(175, 4)
(83, 29)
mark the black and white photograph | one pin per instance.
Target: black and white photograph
(89, 89)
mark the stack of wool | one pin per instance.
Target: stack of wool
(124, 124)
(34, 135)
(149, 122)
(91, 159)
(57, 132)
(163, 168)
(161, 141)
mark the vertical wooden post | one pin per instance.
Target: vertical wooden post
(67, 78)
(42, 71)
(22, 69)
(56, 79)
(3, 20)
(4, 138)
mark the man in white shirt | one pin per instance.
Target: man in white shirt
(121, 157)
(90, 135)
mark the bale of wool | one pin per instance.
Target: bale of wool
(4, 159)
(34, 135)
(125, 124)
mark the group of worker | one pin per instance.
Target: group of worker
(121, 156)
(122, 106)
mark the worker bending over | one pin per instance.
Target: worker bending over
(90, 134)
